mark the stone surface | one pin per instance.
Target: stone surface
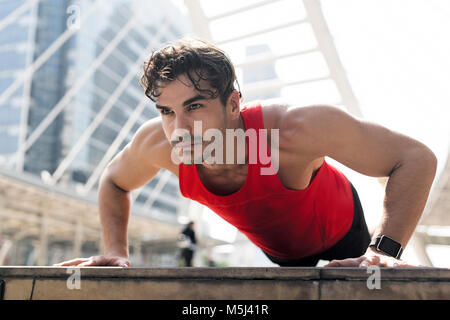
(440, 274)
(175, 273)
(224, 283)
(388, 290)
(177, 290)
(18, 289)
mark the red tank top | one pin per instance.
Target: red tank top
(283, 222)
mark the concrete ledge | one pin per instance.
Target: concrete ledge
(98, 283)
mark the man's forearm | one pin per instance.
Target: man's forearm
(114, 207)
(407, 192)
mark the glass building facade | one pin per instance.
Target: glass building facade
(16, 53)
(89, 73)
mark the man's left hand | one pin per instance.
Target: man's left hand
(372, 257)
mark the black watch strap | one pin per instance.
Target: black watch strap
(387, 245)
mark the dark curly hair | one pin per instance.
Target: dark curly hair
(197, 59)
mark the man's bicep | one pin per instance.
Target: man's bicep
(364, 146)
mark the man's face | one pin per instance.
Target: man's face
(180, 104)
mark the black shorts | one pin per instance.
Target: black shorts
(354, 244)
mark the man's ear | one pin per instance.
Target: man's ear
(234, 101)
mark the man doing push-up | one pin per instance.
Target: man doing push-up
(274, 185)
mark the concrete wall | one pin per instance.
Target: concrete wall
(43, 283)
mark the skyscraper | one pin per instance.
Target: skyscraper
(16, 53)
(90, 73)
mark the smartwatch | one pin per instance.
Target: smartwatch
(388, 246)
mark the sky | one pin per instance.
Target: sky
(395, 55)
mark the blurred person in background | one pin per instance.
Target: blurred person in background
(187, 242)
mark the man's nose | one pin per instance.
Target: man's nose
(181, 123)
(181, 131)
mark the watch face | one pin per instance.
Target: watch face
(389, 246)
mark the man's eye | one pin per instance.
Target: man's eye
(195, 106)
(165, 111)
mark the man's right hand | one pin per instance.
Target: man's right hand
(96, 261)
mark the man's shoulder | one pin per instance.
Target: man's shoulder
(150, 133)
(151, 140)
(286, 116)
(282, 115)
(299, 126)
(272, 112)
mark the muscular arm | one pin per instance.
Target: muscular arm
(131, 168)
(372, 150)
